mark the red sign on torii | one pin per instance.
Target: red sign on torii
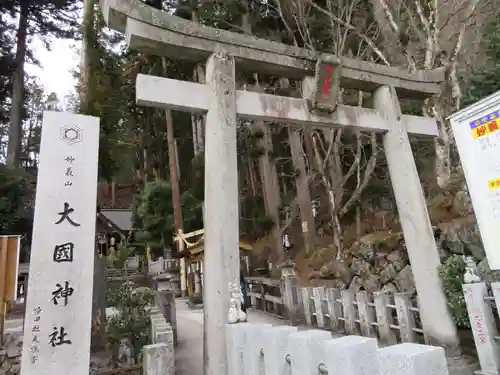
(328, 70)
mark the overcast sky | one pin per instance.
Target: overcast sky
(56, 65)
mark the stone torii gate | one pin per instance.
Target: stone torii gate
(156, 32)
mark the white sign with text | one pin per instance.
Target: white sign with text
(59, 306)
(477, 135)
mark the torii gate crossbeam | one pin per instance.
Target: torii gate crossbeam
(154, 31)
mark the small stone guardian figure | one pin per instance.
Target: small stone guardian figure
(235, 314)
(470, 275)
(125, 354)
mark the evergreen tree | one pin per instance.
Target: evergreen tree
(486, 81)
(45, 19)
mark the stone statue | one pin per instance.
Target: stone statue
(125, 354)
(470, 275)
(235, 314)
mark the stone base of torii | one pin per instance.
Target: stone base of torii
(156, 32)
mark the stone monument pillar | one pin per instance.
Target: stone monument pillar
(289, 287)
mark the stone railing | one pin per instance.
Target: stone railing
(264, 294)
(482, 308)
(159, 357)
(162, 265)
(285, 350)
(132, 263)
(390, 316)
(122, 273)
(156, 267)
(165, 304)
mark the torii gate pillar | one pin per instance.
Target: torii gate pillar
(222, 264)
(419, 236)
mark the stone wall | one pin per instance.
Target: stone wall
(379, 261)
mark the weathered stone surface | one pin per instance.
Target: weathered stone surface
(337, 269)
(404, 281)
(379, 261)
(485, 273)
(457, 234)
(462, 204)
(10, 366)
(387, 273)
(366, 251)
(372, 283)
(389, 288)
(361, 267)
(398, 258)
(412, 359)
(13, 344)
(339, 284)
(100, 362)
(158, 359)
(353, 355)
(356, 284)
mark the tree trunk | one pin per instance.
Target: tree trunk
(88, 30)
(303, 195)
(330, 191)
(198, 120)
(271, 189)
(14, 146)
(98, 339)
(252, 177)
(174, 181)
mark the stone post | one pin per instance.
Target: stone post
(166, 305)
(158, 359)
(182, 266)
(221, 209)
(483, 326)
(164, 335)
(288, 288)
(411, 359)
(163, 282)
(197, 283)
(419, 237)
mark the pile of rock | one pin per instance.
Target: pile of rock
(379, 261)
(10, 356)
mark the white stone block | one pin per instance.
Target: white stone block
(59, 305)
(165, 336)
(235, 340)
(412, 359)
(156, 320)
(158, 359)
(253, 361)
(159, 328)
(276, 347)
(351, 355)
(483, 325)
(154, 310)
(307, 351)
